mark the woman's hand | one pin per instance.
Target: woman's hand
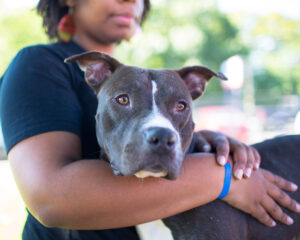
(262, 196)
(245, 158)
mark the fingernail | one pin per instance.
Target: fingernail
(256, 165)
(248, 172)
(238, 174)
(289, 220)
(294, 186)
(222, 160)
(206, 148)
(273, 224)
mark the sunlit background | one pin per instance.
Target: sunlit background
(255, 43)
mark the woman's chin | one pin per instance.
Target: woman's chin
(113, 37)
(125, 33)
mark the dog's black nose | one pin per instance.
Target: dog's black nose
(160, 139)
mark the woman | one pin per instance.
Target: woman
(47, 113)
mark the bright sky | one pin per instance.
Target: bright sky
(15, 4)
(288, 8)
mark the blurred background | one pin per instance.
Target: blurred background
(255, 43)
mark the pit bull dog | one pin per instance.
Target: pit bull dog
(146, 114)
(218, 220)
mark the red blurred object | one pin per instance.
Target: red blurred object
(66, 28)
(226, 119)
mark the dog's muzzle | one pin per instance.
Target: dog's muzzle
(160, 140)
(161, 143)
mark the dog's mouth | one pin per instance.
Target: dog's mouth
(156, 171)
(143, 162)
(146, 173)
(143, 173)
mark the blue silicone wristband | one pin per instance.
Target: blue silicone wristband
(227, 181)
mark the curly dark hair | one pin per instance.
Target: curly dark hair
(53, 10)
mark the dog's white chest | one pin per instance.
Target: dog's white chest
(155, 230)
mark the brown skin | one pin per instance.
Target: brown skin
(245, 158)
(263, 190)
(99, 24)
(62, 190)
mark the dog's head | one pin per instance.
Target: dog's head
(144, 117)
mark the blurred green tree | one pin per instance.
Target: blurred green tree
(274, 55)
(190, 32)
(182, 33)
(17, 30)
(278, 38)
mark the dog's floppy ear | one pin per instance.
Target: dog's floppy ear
(97, 66)
(196, 78)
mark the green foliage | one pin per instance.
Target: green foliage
(274, 56)
(282, 59)
(190, 32)
(18, 30)
(182, 33)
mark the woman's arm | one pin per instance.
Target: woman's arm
(62, 191)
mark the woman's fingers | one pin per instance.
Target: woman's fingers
(250, 162)
(201, 144)
(275, 198)
(280, 182)
(257, 158)
(245, 158)
(283, 199)
(222, 149)
(270, 207)
(240, 159)
(207, 141)
(276, 211)
(260, 213)
(263, 197)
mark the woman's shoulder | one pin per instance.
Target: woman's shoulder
(43, 61)
(51, 51)
(37, 57)
(43, 58)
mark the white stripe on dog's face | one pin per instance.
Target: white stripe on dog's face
(155, 118)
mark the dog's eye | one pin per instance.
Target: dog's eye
(180, 106)
(123, 99)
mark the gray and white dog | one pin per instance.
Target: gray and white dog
(144, 127)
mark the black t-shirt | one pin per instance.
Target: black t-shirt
(40, 93)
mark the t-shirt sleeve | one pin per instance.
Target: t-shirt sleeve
(37, 96)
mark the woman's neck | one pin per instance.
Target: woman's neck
(90, 45)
